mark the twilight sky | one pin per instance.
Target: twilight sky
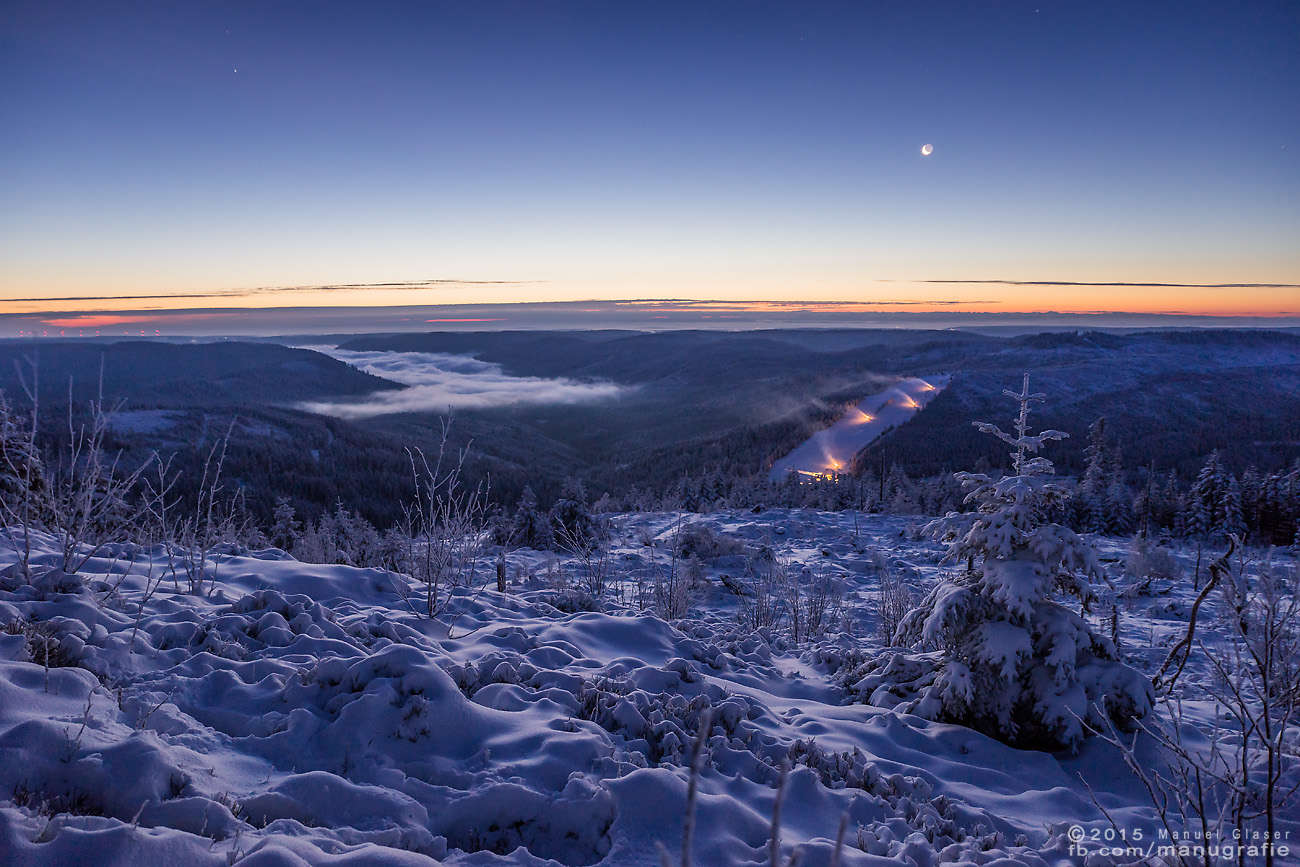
(250, 154)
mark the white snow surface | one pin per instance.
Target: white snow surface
(305, 714)
(830, 450)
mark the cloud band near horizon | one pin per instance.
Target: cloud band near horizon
(265, 290)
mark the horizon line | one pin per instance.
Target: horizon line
(756, 306)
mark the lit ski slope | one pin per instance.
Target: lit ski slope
(831, 450)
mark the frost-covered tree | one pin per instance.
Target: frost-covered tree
(1255, 496)
(1146, 506)
(531, 528)
(1091, 504)
(899, 492)
(1102, 503)
(1012, 661)
(286, 529)
(24, 489)
(1119, 518)
(1203, 497)
(1213, 506)
(341, 537)
(1233, 521)
(22, 474)
(574, 526)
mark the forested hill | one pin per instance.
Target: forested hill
(1169, 399)
(724, 358)
(151, 374)
(696, 403)
(180, 400)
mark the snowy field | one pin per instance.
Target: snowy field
(830, 450)
(290, 714)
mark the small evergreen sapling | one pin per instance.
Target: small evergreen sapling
(574, 527)
(286, 529)
(531, 528)
(1013, 662)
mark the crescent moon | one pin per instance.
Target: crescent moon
(926, 150)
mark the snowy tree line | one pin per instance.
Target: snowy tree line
(1258, 507)
(713, 490)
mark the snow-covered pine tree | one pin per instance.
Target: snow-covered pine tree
(1172, 504)
(286, 529)
(1233, 522)
(1204, 505)
(1254, 499)
(531, 527)
(1013, 662)
(1146, 506)
(572, 523)
(340, 537)
(1091, 507)
(1267, 508)
(896, 483)
(1288, 504)
(1119, 518)
(713, 490)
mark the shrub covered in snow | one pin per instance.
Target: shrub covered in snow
(1147, 562)
(573, 526)
(340, 537)
(699, 541)
(530, 528)
(23, 492)
(1013, 662)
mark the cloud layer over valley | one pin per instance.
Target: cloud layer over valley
(438, 381)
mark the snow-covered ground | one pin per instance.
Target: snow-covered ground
(829, 451)
(297, 714)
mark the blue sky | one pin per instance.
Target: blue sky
(735, 151)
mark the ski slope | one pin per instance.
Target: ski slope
(831, 450)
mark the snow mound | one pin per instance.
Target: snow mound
(304, 714)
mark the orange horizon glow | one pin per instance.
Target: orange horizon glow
(1279, 302)
(1256, 300)
(95, 321)
(181, 311)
